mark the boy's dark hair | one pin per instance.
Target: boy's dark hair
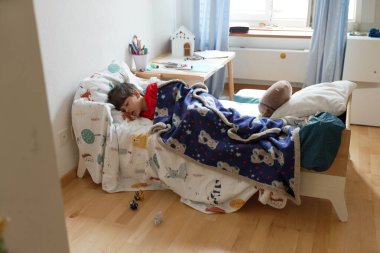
(119, 93)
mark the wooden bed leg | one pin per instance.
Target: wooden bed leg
(81, 168)
(326, 187)
(339, 205)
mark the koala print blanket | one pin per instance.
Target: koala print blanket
(195, 125)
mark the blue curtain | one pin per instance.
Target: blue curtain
(211, 29)
(326, 55)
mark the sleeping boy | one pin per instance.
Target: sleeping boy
(128, 99)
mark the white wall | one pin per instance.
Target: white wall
(29, 185)
(184, 14)
(368, 15)
(80, 37)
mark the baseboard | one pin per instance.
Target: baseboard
(240, 86)
(68, 177)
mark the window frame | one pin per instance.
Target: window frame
(268, 20)
(291, 24)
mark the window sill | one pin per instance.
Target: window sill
(276, 33)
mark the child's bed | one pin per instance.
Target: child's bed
(127, 156)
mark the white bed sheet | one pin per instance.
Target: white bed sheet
(242, 108)
(135, 160)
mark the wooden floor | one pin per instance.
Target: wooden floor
(102, 222)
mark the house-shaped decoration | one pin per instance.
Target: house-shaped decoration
(182, 43)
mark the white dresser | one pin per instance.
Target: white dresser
(362, 66)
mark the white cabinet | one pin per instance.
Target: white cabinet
(365, 107)
(362, 65)
(362, 61)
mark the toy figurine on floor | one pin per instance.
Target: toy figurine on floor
(157, 219)
(139, 195)
(133, 205)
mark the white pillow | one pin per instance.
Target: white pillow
(96, 87)
(323, 97)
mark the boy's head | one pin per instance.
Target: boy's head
(126, 98)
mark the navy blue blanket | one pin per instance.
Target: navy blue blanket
(192, 122)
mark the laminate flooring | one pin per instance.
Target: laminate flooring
(103, 222)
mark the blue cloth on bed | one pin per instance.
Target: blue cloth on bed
(373, 32)
(248, 96)
(320, 140)
(244, 99)
(201, 128)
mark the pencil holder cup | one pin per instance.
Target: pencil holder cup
(141, 61)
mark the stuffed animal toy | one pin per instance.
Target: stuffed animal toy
(276, 95)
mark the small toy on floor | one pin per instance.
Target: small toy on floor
(157, 219)
(133, 205)
(139, 195)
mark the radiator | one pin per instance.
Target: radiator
(270, 64)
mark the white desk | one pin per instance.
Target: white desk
(201, 71)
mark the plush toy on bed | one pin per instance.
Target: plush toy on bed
(276, 95)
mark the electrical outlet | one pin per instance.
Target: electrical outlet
(64, 136)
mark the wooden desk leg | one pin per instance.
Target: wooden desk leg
(231, 86)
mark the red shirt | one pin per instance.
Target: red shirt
(151, 100)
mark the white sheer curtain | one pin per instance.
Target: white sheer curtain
(326, 56)
(211, 28)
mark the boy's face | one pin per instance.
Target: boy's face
(132, 106)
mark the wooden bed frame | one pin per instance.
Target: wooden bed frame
(331, 183)
(326, 185)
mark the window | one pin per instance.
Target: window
(286, 13)
(291, 13)
(352, 11)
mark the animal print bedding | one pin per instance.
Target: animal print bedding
(196, 126)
